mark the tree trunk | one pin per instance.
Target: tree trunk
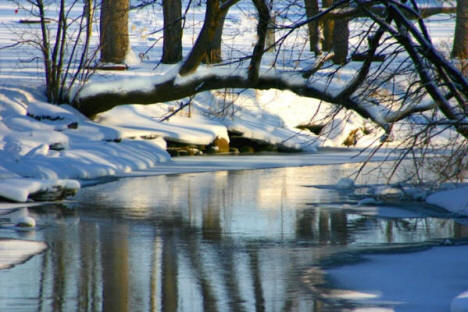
(211, 25)
(89, 13)
(213, 52)
(340, 40)
(172, 38)
(270, 33)
(328, 25)
(460, 43)
(312, 8)
(114, 31)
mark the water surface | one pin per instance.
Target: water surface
(247, 240)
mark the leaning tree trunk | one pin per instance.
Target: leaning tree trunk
(312, 8)
(270, 39)
(213, 51)
(114, 38)
(172, 38)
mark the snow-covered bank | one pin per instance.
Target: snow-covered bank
(417, 281)
(46, 147)
(454, 200)
(20, 189)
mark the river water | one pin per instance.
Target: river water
(244, 240)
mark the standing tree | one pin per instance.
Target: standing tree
(213, 52)
(460, 43)
(328, 24)
(114, 39)
(340, 40)
(312, 8)
(172, 37)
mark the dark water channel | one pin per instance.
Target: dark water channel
(251, 240)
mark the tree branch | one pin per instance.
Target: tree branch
(364, 70)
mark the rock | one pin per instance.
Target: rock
(234, 150)
(345, 183)
(247, 145)
(367, 201)
(184, 151)
(54, 193)
(73, 125)
(352, 138)
(314, 128)
(388, 193)
(247, 149)
(20, 218)
(57, 146)
(26, 222)
(221, 145)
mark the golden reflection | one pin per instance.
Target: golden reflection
(169, 296)
(115, 269)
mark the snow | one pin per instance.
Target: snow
(18, 189)
(430, 275)
(145, 121)
(455, 200)
(460, 303)
(14, 251)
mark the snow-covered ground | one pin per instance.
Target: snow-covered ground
(47, 147)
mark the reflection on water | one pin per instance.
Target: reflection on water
(223, 241)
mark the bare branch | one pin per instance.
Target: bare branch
(318, 64)
(227, 4)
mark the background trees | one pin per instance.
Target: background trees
(460, 42)
(399, 75)
(114, 40)
(312, 9)
(172, 36)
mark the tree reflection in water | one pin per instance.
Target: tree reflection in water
(224, 241)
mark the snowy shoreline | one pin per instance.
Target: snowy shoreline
(46, 147)
(18, 189)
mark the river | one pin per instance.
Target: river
(241, 240)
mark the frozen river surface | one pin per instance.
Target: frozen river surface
(284, 239)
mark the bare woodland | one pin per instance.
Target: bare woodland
(393, 47)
